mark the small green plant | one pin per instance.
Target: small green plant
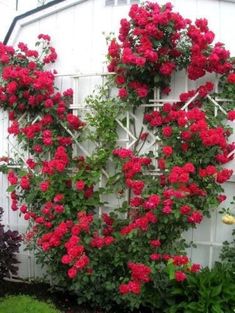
(210, 291)
(228, 251)
(9, 246)
(25, 304)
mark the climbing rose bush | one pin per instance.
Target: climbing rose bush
(127, 256)
(156, 41)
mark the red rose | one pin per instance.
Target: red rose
(140, 272)
(231, 78)
(80, 184)
(189, 168)
(25, 183)
(195, 268)
(224, 175)
(44, 186)
(47, 141)
(231, 114)
(195, 218)
(114, 49)
(88, 192)
(120, 80)
(12, 178)
(23, 209)
(155, 243)
(12, 87)
(66, 259)
(124, 289)
(48, 103)
(58, 197)
(180, 276)
(221, 198)
(142, 92)
(31, 164)
(59, 208)
(136, 201)
(37, 148)
(167, 150)
(185, 209)
(167, 68)
(131, 287)
(155, 256)
(122, 93)
(161, 164)
(123, 153)
(72, 272)
(167, 131)
(167, 210)
(74, 121)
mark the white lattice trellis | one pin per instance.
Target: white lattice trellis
(131, 139)
(127, 139)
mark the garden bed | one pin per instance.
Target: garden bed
(63, 301)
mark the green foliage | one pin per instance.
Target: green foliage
(210, 291)
(25, 304)
(103, 112)
(227, 91)
(228, 251)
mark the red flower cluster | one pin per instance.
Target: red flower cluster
(140, 274)
(131, 287)
(148, 23)
(27, 87)
(141, 63)
(54, 239)
(181, 174)
(203, 57)
(76, 255)
(141, 223)
(101, 241)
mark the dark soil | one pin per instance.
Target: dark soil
(64, 302)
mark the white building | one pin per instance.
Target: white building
(77, 30)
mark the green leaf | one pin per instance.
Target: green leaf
(216, 291)
(11, 188)
(171, 270)
(216, 308)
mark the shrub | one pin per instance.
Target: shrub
(206, 292)
(228, 251)
(9, 246)
(25, 304)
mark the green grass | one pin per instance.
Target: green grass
(25, 304)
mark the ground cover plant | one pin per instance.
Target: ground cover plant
(212, 290)
(25, 304)
(127, 257)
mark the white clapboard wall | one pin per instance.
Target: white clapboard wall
(77, 28)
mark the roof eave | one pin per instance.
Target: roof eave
(36, 12)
